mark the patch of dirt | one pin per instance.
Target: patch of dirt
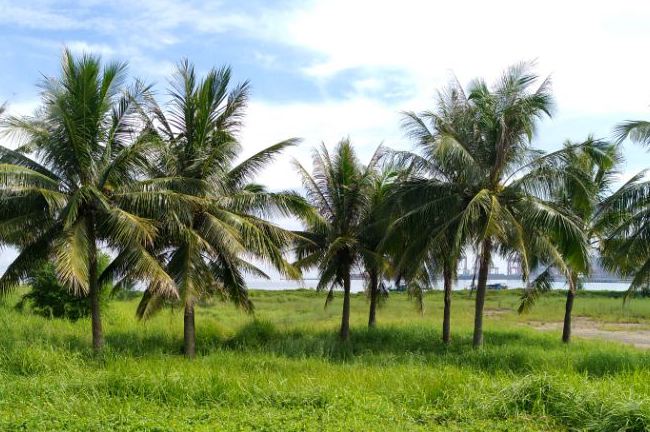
(496, 312)
(634, 333)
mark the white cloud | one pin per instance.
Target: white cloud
(367, 122)
(593, 51)
(266, 60)
(595, 55)
(78, 46)
(366, 84)
(593, 48)
(23, 107)
(38, 16)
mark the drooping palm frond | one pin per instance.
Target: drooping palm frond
(255, 163)
(543, 283)
(636, 130)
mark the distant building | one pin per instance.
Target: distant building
(514, 271)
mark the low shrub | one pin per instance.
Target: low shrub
(49, 298)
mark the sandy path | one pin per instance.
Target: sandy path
(588, 328)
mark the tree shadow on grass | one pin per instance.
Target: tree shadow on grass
(137, 345)
(518, 351)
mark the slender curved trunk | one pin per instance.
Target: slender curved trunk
(570, 296)
(374, 297)
(189, 331)
(486, 253)
(345, 319)
(446, 320)
(93, 289)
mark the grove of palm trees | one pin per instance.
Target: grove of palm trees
(155, 179)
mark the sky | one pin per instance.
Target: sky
(324, 70)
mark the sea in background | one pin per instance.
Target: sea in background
(357, 285)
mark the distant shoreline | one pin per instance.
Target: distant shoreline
(502, 277)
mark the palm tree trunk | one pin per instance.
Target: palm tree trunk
(472, 287)
(93, 289)
(345, 320)
(484, 269)
(446, 320)
(566, 330)
(189, 331)
(374, 294)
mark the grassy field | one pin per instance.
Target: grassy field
(284, 370)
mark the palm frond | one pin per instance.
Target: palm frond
(251, 166)
(535, 289)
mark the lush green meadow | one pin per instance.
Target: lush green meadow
(284, 369)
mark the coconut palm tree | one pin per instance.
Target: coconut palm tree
(340, 190)
(75, 183)
(429, 255)
(500, 193)
(206, 247)
(587, 171)
(628, 245)
(376, 219)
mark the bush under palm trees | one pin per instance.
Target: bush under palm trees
(48, 298)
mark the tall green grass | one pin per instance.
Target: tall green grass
(284, 369)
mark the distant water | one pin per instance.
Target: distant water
(357, 285)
